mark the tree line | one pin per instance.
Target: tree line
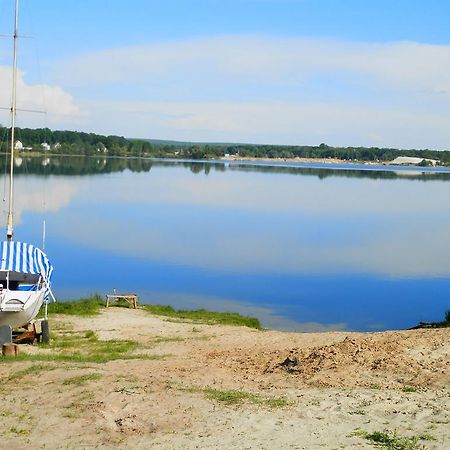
(81, 143)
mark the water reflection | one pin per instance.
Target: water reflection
(86, 165)
(325, 249)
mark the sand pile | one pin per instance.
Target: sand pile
(380, 359)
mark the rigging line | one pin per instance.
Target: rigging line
(47, 133)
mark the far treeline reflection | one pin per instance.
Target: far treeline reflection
(87, 165)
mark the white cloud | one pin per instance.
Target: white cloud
(276, 122)
(269, 90)
(406, 65)
(52, 100)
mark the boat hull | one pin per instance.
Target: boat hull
(22, 312)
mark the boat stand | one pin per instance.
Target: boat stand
(132, 299)
(37, 330)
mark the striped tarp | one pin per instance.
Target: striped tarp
(25, 258)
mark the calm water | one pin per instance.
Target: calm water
(302, 248)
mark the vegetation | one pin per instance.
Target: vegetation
(33, 369)
(392, 441)
(80, 143)
(233, 397)
(89, 306)
(82, 347)
(444, 324)
(409, 389)
(82, 379)
(203, 316)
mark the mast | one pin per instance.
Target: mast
(10, 226)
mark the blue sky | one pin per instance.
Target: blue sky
(344, 72)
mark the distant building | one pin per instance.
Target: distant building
(412, 161)
(19, 146)
(45, 146)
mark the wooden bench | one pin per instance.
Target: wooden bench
(132, 299)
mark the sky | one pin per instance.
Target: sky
(342, 72)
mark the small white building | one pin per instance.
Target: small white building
(19, 146)
(45, 146)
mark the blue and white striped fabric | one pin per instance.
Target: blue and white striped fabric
(25, 258)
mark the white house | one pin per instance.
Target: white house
(19, 146)
(45, 146)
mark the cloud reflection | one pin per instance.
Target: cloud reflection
(262, 223)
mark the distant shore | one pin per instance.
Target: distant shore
(330, 161)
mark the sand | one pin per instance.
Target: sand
(334, 383)
(298, 159)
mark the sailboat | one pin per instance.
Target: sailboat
(25, 270)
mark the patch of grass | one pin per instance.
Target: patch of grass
(33, 369)
(392, 441)
(161, 339)
(84, 347)
(233, 397)
(444, 324)
(375, 386)
(89, 306)
(82, 379)
(91, 336)
(409, 389)
(203, 316)
(358, 412)
(19, 431)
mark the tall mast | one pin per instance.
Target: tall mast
(10, 226)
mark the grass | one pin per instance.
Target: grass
(233, 397)
(202, 316)
(84, 347)
(392, 441)
(358, 412)
(162, 339)
(19, 431)
(89, 306)
(33, 369)
(444, 324)
(409, 389)
(82, 379)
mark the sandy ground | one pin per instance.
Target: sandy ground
(297, 159)
(335, 384)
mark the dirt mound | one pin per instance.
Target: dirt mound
(374, 360)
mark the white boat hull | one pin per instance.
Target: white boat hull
(18, 308)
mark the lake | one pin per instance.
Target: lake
(300, 246)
